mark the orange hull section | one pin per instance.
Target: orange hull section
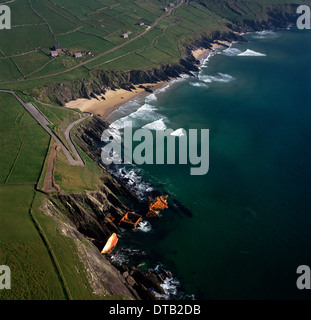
(156, 205)
(111, 243)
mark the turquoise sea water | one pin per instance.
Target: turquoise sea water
(251, 224)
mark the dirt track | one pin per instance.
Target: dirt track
(49, 182)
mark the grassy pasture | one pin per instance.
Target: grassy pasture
(24, 39)
(31, 62)
(21, 248)
(97, 26)
(18, 132)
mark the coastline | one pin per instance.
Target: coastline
(107, 103)
(201, 54)
(104, 105)
(113, 97)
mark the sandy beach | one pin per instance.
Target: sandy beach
(112, 100)
(201, 54)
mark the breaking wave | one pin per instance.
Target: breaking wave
(178, 133)
(144, 226)
(207, 59)
(221, 77)
(170, 287)
(132, 178)
(172, 82)
(151, 97)
(251, 53)
(264, 34)
(231, 52)
(124, 110)
(124, 256)
(145, 112)
(199, 84)
(157, 125)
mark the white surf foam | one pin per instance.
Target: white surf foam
(231, 52)
(199, 84)
(144, 226)
(124, 110)
(151, 97)
(111, 132)
(178, 133)
(132, 178)
(156, 125)
(221, 77)
(119, 258)
(145, 112)
(251, 53)
(170, 287)
(172, 82)
(264, 34)
(207, 59)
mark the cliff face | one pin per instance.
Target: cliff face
(94, 215)
(278, 16)
(91, 217)
(100, 80)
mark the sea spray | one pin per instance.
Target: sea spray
(251, 53)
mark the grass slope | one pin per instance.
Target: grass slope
(44, 263)
(97, 26)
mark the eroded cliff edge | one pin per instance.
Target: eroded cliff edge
(89, 218)
(93, 216)
(277, 16)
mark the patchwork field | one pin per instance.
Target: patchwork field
(95, 28)
(44, 263)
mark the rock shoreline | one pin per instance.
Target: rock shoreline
(100, 81)
(88, 212)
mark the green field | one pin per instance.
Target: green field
(44, 264)
(21, 247)
(18, 132)
(96, 26)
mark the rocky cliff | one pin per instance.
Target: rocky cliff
(277, 16)
(94, 215)
(91, 217)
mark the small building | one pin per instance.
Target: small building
(126, 35)
(165, 9)
(54, 54)
(78, 55)
(172, 5)
(140, 23)
(57, 47)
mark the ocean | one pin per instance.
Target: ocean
(250, 226)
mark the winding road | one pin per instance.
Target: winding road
(44, 122)
(168, 13)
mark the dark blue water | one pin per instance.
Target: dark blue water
(251, 224)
